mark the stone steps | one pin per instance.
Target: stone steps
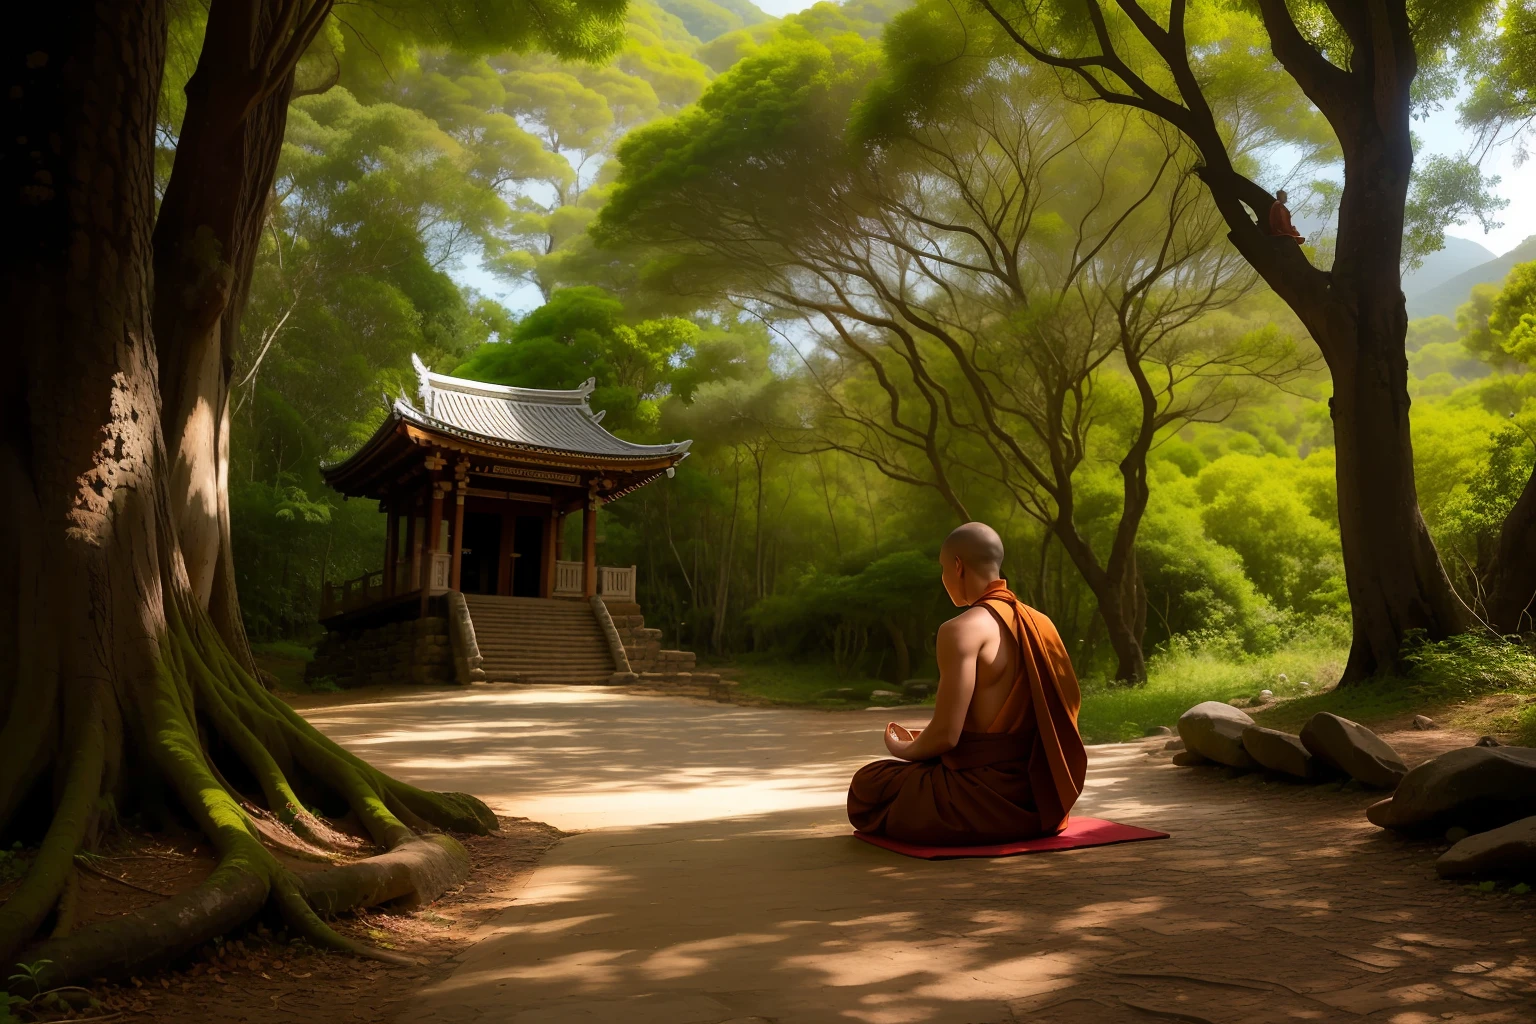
(538, 640)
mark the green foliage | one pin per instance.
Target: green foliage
(14, 863)
(782, 537)
(900, 590)
(1502, 65)
(1202, 668)
(579, 334)
(1444, 679)
(1279, 516)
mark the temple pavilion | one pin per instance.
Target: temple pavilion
(477, 482)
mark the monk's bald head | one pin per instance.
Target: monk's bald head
(979, 547)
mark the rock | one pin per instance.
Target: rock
(1488, 741)
(1456, 834)
(1174, 745)
(1354, 750)
(1283, 677)
(884, 695)
(1266, 695)
(1422, 723)
(1214, 731)
(1478, 788)
(840, 693)
(1190, 759)
(1281, 752)
(918, 688)
(1158, 730)
(1508, 851)
(1304, 685)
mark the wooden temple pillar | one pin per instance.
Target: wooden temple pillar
(456, 552)
(589, 546)
(391, 547)
(434, 533)
(413, 543)
(552, 524)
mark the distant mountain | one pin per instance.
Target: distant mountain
(1443, 298)
(707, 19)
(1459, 256)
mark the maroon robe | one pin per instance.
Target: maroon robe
(1016, 780)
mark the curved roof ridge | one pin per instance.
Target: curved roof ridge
(431, 381)
(548, 420)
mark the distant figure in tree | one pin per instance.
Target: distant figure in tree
(1280, 219)
(1002, 759)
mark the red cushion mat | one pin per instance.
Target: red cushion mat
(1079, 832)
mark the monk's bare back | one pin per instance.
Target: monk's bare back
(979, 638)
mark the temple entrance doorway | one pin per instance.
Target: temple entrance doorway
(528, 566)
(482, 553)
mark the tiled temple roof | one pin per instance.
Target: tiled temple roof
(551, 421)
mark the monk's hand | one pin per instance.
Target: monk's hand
(898, 739)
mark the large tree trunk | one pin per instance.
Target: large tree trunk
(113, 680)
(206, 240)
(1121, 599)
(1396, 581)
(1511, 585)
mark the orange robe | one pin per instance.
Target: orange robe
(1280, 223)
(1016, 780)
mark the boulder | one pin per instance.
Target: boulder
(1488, 741)
(1158, 730)
(1478, 788)
(884, 695)
(918, 688)
(1190, 759)
(1509, 851)
(1281, 752)
(1423, 722)
(1354, 750)
(1214, 731)
(1174, 744)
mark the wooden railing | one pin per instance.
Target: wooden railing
(349, 595)
(336, 598)
(569, 579)
(616, 583)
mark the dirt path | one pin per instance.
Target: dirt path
(719, 883)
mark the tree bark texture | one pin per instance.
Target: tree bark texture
(206, 240)
(116, 688)
(1511, 585)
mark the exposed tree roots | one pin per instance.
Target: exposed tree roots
(206, 717)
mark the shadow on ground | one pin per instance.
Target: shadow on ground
(719, 884)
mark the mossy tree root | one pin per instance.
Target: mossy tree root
(200, 690)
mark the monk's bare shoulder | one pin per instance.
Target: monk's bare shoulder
(969, 630)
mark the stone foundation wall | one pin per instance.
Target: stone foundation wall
(417, 651)
(647, 659)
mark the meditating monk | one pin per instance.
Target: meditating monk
(1280, 220)
(1002, 759)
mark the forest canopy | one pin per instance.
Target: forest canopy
(820, 245)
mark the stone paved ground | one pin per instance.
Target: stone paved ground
(718, 881)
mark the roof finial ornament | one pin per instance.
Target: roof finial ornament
(424, 376)
(587, 386)
(597, 417)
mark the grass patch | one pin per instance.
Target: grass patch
(1185, 676)
(1475, 682)
(286, 660)
(800, 683)
(1469, 682)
